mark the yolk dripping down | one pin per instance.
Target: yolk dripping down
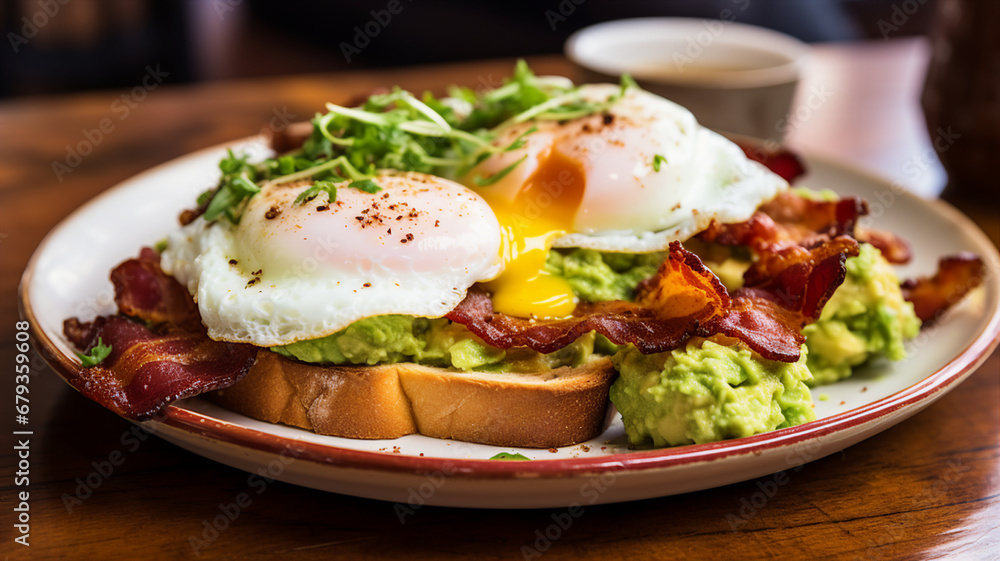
(543, 209)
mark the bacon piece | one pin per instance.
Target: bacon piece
(781, 161)
(621, 322)
(150, 367)
(683, 300)
(955, 277)
(802, 279)
(144, 291)
(807, 217)
(669, 309)
(894, 248)
(790, 220)
(764, 326)
(683, 287)
(146, 371)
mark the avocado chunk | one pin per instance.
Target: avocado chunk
(710, 390)
(595, 276)
(866, 317)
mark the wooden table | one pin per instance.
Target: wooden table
(927, 488)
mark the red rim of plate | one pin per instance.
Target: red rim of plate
(218, 430)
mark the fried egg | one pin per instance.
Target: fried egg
(289, 272)
(631, 179)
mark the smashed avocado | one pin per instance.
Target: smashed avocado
(707, 391)
(867, 316)
(433, 342)
(595, 276)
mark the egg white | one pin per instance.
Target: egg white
(290, 272)
(628, 205)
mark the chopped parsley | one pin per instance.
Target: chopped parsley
(97, 354)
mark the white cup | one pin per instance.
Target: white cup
(734, 77)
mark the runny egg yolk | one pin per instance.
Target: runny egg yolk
(543, 209)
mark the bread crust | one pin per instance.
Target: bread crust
(559, 407)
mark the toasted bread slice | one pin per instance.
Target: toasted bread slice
(559, 407)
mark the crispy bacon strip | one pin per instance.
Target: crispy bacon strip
(802, 279)
(669, 309)
(764, 326)
(790, 220)
(807, 217)
(955, 277)
(681, 301)
(149, 368)
(790, 167)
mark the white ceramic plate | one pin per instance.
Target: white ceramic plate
(68, 276)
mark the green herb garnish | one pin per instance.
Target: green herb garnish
(658, 160)
(235, 188)
(447, 137)
(328, 187)
(366, 185)
(205, 197)
(97, 354)
(508, 456)
(520, 140)
(487, 181)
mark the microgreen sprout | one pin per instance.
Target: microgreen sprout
(397, 131)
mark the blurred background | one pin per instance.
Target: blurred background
(71, 45)
(949, 79)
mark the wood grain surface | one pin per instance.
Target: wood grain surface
(926, 489)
